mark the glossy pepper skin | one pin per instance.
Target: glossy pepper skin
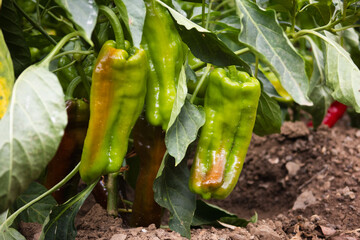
(66, 75)
(163, 47)
(149, 144)
(231, 102)
(69, 150)
(116, 100)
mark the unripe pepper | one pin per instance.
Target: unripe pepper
(163, 47)
(66, 75)
(149, 144)
(116, 99)
(231, 102)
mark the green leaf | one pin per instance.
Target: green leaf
(136, 12)
(239, 222)
(281, 5)
(14, 37)
(180, 98)
(184, 130)
(83, 13)
(8, 233)
(205, 45)
(60, 223)
(268, 116)
(262, 34)
(342, 75)
(38, 211)
(31, 131)
(208, 214)
(171, 191)
(319, 94)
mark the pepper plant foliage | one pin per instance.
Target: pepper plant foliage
(305, 54)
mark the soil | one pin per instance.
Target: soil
(303, 184)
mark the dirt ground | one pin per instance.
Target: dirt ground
(302, 184)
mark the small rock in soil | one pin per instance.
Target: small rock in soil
(292, 168)
(304, 199)
(264, 232)
(118, 237)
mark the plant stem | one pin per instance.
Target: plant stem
(35, 24)
(112, 188)
(202, 79)
(12, 217)
(57, 48)
(38, 12)
(233, 73)
(256, 66)
(347, 27)
(73, 52)
(116, 26)
(222, 4)
(325, 27)
(208, 14)
(71, 88)
(203, 13)
(64, 67)
(242, 51)
(293, 17)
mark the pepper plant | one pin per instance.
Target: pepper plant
(120, 91)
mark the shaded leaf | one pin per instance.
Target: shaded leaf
(239, 222)
(179, 99)
(205, 45)
(38, 211)
(268, 116)
(83, 13)
(8, 233)
(171, 191)
(262, 34)
(14, 37)
(31, 131)
(60, 224)
(208, 214)
(319, 93)
(184, 130)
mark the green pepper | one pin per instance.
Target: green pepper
(231, 102)
(116, 100)
(69, 151)
(163, 47)
(66, 75)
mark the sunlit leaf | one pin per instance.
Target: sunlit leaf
(31, 131)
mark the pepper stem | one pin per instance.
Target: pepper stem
(233, 73)
(115, 24)
(112, 188)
